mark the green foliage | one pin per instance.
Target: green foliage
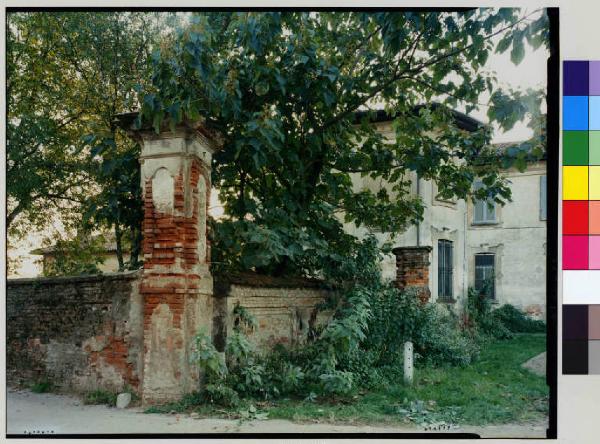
(187, 402)
(68, 75)
(517, 321)
(480, 319)
(118, 206)
(495, 389)
(222, 395)
(284, 89)
(42, 387)
(243, 319)
(43, 164)
(208, 358)
(337, 382)
(361, 345)
(400, 316)
(100, 397)
(78, 256)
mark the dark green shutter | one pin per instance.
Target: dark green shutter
(445, 270)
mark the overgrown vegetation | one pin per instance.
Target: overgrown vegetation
(492, 389)
(500, 323)
(100, 397)
(42, 387)
(479, 318)
(360, 348)
(358, 355)
(283, 91)
(286, 91)
(517, 322)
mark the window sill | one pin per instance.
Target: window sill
(444, 203)
(446, 301)
(478, 224)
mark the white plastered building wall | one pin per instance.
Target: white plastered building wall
(517, 239)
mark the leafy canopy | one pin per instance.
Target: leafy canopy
(284, 89)
(68, 75)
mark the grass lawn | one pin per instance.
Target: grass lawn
(494, 390)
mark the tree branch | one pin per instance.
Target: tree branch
(407, 73)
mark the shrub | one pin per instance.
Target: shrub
(42, 387)
(365, 368)
(208, 358)
(337, 382)
(479, 318)
(440, 341)
(361, 345)
(100, 397)
(400, 316)
(518, 322)
(222, 395)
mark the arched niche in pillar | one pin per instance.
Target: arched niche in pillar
(202, 215)
(163, 191)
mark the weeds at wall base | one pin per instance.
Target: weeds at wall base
(42, 387)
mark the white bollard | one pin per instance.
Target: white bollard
(408, 363)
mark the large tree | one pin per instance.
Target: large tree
(69, 74)
(285, 89)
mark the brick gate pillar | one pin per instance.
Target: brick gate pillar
(176, 283)
(412, 270)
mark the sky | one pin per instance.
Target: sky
(530, 73)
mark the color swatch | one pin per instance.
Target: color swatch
(581, 339)
(581, 217)
(581, 168)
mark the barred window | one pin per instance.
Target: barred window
(445, 270)
(484, 274)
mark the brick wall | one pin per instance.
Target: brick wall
(283, 308)
(412, 270)
(81, 333)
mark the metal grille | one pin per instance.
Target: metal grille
(484, 274)
(445, 269)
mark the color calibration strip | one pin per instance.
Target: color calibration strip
(581, 339)
(581, 217)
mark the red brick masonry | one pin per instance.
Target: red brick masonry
(171, 243)
(412, 270)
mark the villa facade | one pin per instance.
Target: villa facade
(472, 243)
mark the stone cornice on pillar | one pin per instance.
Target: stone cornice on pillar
(187, 130)
(413, 248)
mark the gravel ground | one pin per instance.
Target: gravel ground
(60, 414)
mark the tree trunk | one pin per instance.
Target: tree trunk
(118, 237)
(13, 214)
(136, 246)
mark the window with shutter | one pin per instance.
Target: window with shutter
(543, 198)
(484, 274)
(445, 270)
(484, 211)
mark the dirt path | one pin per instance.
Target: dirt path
(50, 413)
